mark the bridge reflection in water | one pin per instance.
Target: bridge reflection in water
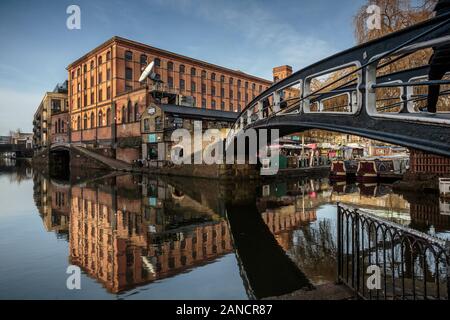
(129, 231)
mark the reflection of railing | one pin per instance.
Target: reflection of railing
(399, 262)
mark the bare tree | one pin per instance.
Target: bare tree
(395, 15)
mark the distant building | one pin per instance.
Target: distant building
(52, 103)
(5, 140)
(22, 139)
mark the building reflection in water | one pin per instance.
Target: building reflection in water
(128, 231)
(290, 211)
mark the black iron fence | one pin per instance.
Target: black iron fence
(379, 259)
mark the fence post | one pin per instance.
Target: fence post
(447, 249)
(357, 266)
(339, 244)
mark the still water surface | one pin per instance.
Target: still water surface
(144, 237)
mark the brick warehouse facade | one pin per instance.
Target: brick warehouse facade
(106, 99)
(426, 163)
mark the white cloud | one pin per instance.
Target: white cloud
(16, 109)
(274, 41)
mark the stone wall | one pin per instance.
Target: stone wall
(128, 155)
(79, 160)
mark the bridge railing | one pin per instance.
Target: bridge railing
(379, 259)
(350, 82)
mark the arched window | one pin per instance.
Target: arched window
(128, 55)
(203, 74)
(85, 123)
(108, 56)
(92, 64)
(92, 120)
(129, 112)
(136, 112)
(157, 62)
(213, 76)
(100, 118)
(143, 59)
(100, 60)
(79, 123)
(124, 114)
(213, 104)
(170, 66)
(62, 126)
(193, 72)
(56, 127)
(182, 68)
(158, 124)
(108, 117)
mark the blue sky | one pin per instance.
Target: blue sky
(248, 35)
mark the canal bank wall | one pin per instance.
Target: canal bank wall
(417, 182)
(83, 158)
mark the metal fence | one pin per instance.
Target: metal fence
(379, 259)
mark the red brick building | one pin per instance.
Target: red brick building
(106, 100)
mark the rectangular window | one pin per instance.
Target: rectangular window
(99, 77)
(85, 99)
(108, 93)
(231, 94)
(92, 97)
(146, 124)
(203, 88)
(108, 74)
(182, 84)
(222, 92)
(128, 74)
(170, 82)
(92, 81)
(100, 95)
(213, 91)
(56, 105)
(193, 87)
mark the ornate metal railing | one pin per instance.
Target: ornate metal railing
(379, 259)
(359, 78)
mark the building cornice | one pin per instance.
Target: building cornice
(143, 47)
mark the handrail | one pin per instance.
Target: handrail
(410, 264)
(425, 28)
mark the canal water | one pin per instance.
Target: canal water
(147, 237)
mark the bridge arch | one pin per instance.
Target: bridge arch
(59, 160)
(360, 115)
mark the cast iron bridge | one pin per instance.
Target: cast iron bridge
(356, 92)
